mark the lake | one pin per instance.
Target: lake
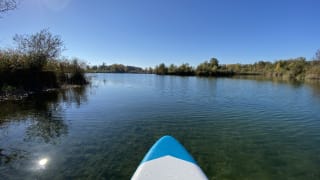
(235, 128)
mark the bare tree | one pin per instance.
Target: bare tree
(7, 5)
(42, 43)
(317, 58)
(41, 46)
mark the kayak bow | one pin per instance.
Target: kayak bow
(168, 159)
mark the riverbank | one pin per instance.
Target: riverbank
(291, 69)
(36, 65)
(18, 85)
(19, 79)
(20, 94)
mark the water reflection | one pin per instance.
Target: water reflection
(270, 79)
(46, 129)
(75, 95)
(237, 129)
(10, 155)
(315, 86)
(43, 162)
(37, 119)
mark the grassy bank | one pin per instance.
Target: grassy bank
(35, 65)
(20, 75)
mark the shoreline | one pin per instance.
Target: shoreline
(19, 94)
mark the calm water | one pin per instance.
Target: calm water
(234, 128)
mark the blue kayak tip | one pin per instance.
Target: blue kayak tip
(168, 146)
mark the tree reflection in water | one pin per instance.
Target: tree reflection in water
(315, 86)
(43, 117)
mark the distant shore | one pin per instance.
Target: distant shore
(291, 69)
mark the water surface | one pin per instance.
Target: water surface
(234, 128)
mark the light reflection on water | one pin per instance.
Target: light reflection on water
(235, 128)
(42, 162)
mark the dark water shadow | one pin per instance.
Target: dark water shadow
(39, 117)
(315, 86)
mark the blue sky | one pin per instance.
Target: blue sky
(147, 32)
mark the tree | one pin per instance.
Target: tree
(214, 62)
(150, 70)
(117, 68)
(40, 47)
(7, 5)
(278, 67)
(317, 58)
(161, 69)
(172, 69)
(208, 68)
(185, 70)
(103, 67)
(297, 66)
(315, 64)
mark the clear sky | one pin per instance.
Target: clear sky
(147, 32)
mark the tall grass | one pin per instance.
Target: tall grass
(21, 71)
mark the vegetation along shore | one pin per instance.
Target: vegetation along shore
(35, 65)
(289, 69)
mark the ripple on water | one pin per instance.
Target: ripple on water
(235, 129)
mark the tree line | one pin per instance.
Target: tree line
(114, 68)
(296, 68)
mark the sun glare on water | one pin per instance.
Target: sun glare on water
(43, 162)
